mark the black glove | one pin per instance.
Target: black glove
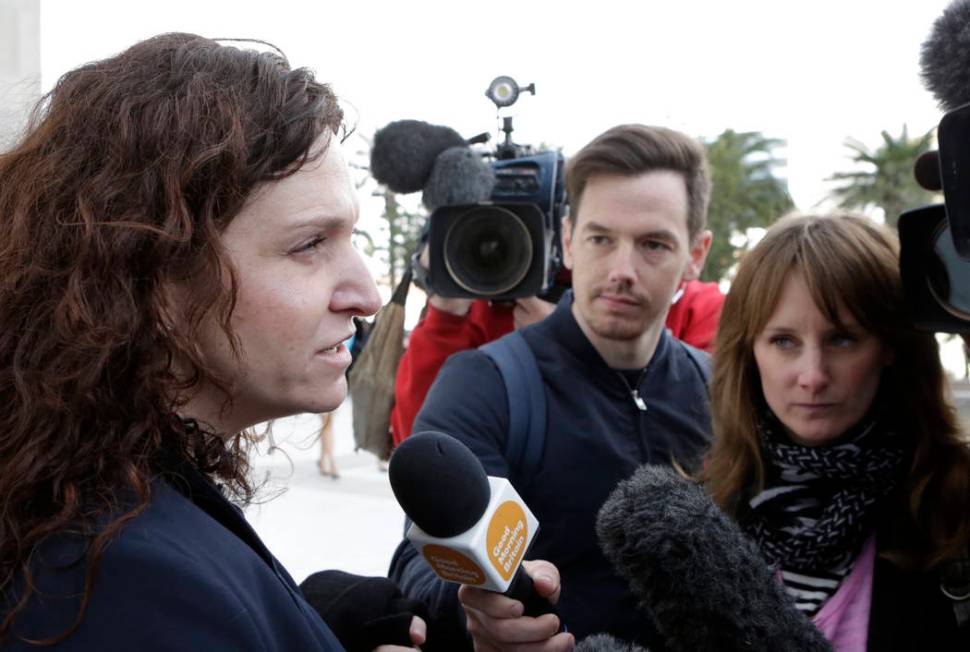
(363, 612)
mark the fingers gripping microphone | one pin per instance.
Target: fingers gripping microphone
(702, 581)
(471, 529)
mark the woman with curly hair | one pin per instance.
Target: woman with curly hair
(175, 267)
(835, 444)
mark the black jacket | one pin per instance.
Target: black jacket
(596, 436)
(188, 573)
(910, 612)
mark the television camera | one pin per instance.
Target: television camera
(495, 224)
(935, 240)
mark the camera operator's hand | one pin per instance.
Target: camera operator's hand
(457, 307)
(495, 621)
(529, 310)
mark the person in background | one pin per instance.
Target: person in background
(620, 390)
(835, 444)
(177, 265)
(327, 464)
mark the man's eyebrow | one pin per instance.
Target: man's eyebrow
(664, 234)
(595, 226)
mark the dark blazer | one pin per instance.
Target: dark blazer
(187, 574)
(910, 612)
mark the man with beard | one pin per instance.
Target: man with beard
(620, 391)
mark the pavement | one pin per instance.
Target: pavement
(312, 522)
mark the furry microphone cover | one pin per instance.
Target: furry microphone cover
(701, 581)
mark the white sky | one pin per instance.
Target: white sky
(812, 73)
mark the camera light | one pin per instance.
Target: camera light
(503, 91)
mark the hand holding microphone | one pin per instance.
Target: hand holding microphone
(474, 530)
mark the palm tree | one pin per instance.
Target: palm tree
(745, 194)
(403, 226)
(887, 181)
(404, 232)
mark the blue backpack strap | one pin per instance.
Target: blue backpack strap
(527, 402)
(701, 360)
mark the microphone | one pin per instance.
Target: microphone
(459, 176)
(701, 580)
(945, 57)
(471, 528)
(404, 152)
(411, 155)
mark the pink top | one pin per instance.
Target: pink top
(844, 618)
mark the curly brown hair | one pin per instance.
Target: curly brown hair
(130, 169)
(846, 261)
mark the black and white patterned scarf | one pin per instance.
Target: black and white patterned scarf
(818, 503)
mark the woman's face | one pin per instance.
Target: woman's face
(817, 378)
(300, 282)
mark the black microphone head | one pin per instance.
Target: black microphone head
(439, 483)
(404, 151)
(459, 176)
(945, 57)
(701, 580)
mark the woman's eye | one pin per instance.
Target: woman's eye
(782, 341)
(310, 245)
(843, 340)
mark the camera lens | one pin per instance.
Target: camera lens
(488, 250)
(947, 275)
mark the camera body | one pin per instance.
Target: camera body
(505, 248)
(934, 257)
(509, 246)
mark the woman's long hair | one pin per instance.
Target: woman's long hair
(848, 263)
(128, 173)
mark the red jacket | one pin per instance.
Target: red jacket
(694, 315)
(692, 318)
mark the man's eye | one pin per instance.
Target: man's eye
(598, 239)
(656, 245)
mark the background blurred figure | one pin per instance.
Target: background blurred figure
(327, 462)
(835, 444)
(177, 265)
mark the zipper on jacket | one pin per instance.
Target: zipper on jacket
(635, 391)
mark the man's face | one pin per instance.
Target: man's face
(628, 251)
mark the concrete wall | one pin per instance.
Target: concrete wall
(19, 65)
